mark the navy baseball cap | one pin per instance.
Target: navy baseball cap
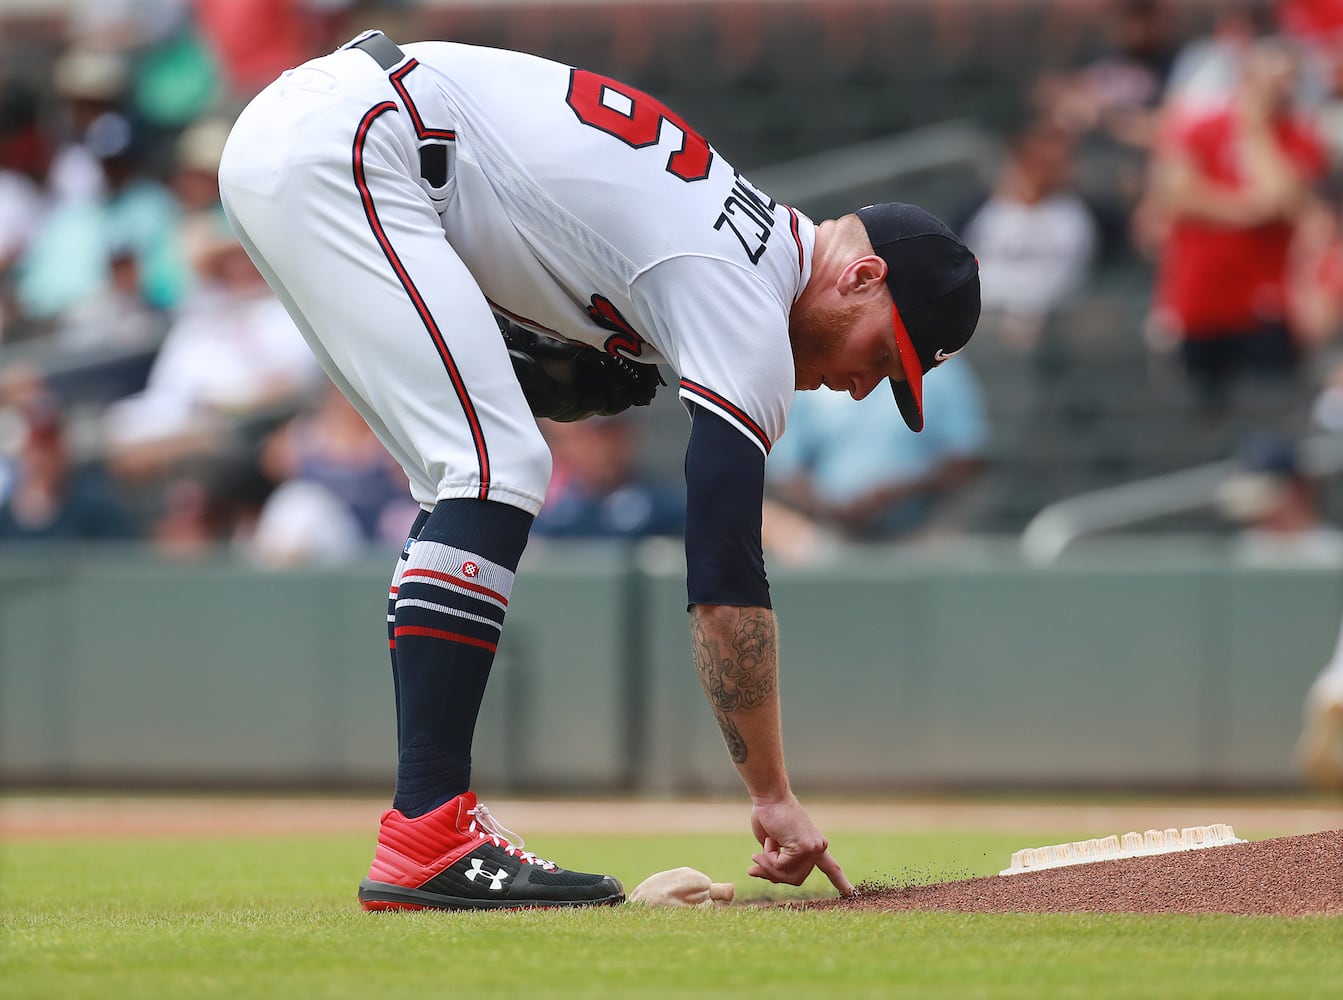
(934, 282)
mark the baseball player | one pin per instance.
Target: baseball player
(402, 201)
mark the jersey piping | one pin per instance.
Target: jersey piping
(729, 410)
(420, 130)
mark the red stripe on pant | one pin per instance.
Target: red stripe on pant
(380, 234)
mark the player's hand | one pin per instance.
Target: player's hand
(791, 846)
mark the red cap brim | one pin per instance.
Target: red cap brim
(909, 393)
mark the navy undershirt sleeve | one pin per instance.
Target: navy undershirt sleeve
(725, 489)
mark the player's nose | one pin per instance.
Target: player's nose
(861, 386)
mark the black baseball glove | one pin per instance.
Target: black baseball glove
(565, 381)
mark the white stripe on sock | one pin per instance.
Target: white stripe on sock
(445, 610)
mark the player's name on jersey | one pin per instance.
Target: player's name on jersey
(748, 214)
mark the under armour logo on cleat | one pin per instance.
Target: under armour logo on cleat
(496, 880)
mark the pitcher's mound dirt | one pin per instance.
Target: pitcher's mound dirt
(1290, 876)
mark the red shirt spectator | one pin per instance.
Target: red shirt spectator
(1229, 187)
(255, 40)
(1216, 277)
(1319, 21)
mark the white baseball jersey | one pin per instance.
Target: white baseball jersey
(570, 203)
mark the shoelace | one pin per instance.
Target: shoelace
(502, 836)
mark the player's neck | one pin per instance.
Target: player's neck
(827, 260)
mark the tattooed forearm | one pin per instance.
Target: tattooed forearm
(738, 666)
(736, 746)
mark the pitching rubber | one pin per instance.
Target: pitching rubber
(1132, 845)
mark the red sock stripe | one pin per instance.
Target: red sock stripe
(438, 633)
(430, 324)
(457, 581)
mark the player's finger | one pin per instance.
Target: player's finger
(835, 874)
(772, 852)
(779, 867)
(786, 866)
(771, 874)
(765, 862)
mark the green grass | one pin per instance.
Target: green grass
(277, 918)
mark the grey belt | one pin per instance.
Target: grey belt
(385, 52)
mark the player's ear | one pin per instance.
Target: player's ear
(862, 274)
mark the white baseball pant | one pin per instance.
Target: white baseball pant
(321, 181)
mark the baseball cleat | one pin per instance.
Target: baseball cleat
(459, 857)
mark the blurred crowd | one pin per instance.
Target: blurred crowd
(151, 386)
(1208, 162)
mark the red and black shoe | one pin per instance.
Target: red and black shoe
(458, 857)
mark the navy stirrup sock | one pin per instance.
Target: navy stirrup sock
(447, 609)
